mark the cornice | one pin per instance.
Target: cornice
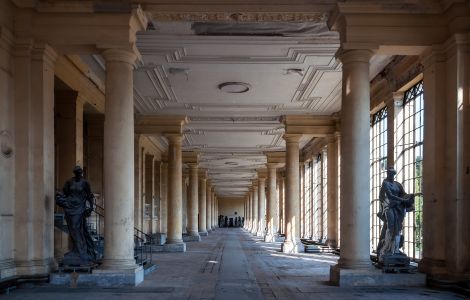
(238, 16)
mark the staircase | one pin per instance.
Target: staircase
(142, 241)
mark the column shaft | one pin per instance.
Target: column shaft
(261, 207)
(164, 197)
(271, 203)
(254, 193)
(292, 242)
(332, 190)
(208, 207)
(193, 200)
(175, 193)
(355, 234)
(119, 161)
(202, 205)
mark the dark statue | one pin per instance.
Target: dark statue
(394, 203)
(77, 202)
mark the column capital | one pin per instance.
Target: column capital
(44, 52)
(193, 167)
(292, 137)
(354, 55)
(272, 166)
(119, 55)
(174, 138)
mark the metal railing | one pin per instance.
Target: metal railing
(142, 242)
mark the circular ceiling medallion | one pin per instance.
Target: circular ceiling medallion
(234, 87)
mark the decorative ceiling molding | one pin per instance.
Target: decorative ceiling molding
(159, 124)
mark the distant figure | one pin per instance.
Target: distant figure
(77, 202)
(243, 221)
(226, 222)
(394, 203)
(239, 222)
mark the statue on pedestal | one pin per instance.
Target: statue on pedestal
(77, 202)
(394, 204)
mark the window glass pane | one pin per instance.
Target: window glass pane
(409, 164)
(378, 168)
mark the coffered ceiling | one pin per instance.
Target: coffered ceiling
(234, 81)
(279, 68)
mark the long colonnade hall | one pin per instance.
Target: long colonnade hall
(290, 149)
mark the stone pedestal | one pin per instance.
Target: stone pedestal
(99, 278)
(374, 277)
(191, 238)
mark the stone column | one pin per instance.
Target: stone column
(185, 199)
(281, 225)
(148, 193)
(261, 207)
(446, 177)
(156, 197)
(7, 158)
(119, 161)
(332, 191)
(68, 133)
(208, 207)
(175, 200)
(163, 197)
(33, 157)
(355, 188)
(292, 242)
(139, 177)
(254, 229)
(250, 210)
(202, 205)
(271, 203)
(193, 200)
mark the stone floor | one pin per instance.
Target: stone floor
(232, 264)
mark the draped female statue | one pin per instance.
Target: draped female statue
(394, 203)
(77, 202)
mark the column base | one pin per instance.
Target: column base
(100, 278)
(191, 238)
(373, 277)
(271, 238)
(331, 243)
(7, 269)
(115, 265)
(203, 233)
(292, 247)
(260, 234)
(159, 238)
(432, 267)
(35, 267)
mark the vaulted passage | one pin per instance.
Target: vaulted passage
(235, 149)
